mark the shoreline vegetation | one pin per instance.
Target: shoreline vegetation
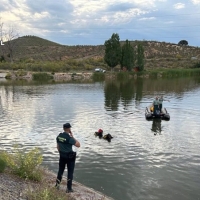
(23, 178)
(40, 59)
(95, 76)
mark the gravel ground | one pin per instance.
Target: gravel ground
(12, 187)
(15, 188)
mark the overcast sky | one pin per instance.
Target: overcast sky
(91, 22)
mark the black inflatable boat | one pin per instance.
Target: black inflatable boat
(149, 113)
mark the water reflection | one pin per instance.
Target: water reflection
(139, 89)
(156, 126)
(112, 95)
(135, 164)
(123, 91)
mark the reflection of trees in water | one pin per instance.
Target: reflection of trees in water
(139, 89)
(197, 79)
(156, 126)
(175, 85)
(125, 90)
(112, 95)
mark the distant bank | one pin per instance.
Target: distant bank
(95, 76)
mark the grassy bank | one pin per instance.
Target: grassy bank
(26, 165)
(42, 76)
(55, 66)
(159, 73)
(172, 72)
(22, 177)
(42, 71)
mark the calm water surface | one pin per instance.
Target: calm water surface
(145, 159)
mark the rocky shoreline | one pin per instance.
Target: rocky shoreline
(67, 76)
(14, 188)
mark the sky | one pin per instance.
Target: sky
(92, 22)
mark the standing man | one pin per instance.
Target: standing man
(65, 141)
(161, 102)
(155, 106)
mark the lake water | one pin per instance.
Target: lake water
(144, 160)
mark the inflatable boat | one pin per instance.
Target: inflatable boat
(149, 113)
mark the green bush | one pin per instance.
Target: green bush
(2, 165)
(7, 158)
(24, 164)
(2, 59)
(20, 72)
(8, 76)
(123, 75)
(196, 65)
(153, 74)
(98, 76)
(42, 76)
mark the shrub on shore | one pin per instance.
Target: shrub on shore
(24, 164)
(197, 65)
(2, 165)
(122, 75)
(8, 76)
(98, 76)
(42, 76)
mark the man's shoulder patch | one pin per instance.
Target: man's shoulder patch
(61, 139)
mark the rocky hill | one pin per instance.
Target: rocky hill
(157, 54)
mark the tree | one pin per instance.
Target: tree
(2, 59)
(1, 38)
(127, 58)
(183, 43)
(8, 36)
(112, 51)
(140, 57)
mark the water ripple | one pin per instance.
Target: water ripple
(144, 160)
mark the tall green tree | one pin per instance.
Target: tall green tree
(128, 57)
(112, 51)
(140, 57)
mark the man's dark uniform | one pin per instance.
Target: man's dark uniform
(65, 142)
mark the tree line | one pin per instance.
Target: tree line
(126, 55)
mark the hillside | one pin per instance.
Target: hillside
(34, 41)
(157, 54)
(35, 48)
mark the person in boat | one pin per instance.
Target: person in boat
(161, 99)
(155, 105)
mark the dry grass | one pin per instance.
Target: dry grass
(37, 54)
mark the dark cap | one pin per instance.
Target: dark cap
(67, 125)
